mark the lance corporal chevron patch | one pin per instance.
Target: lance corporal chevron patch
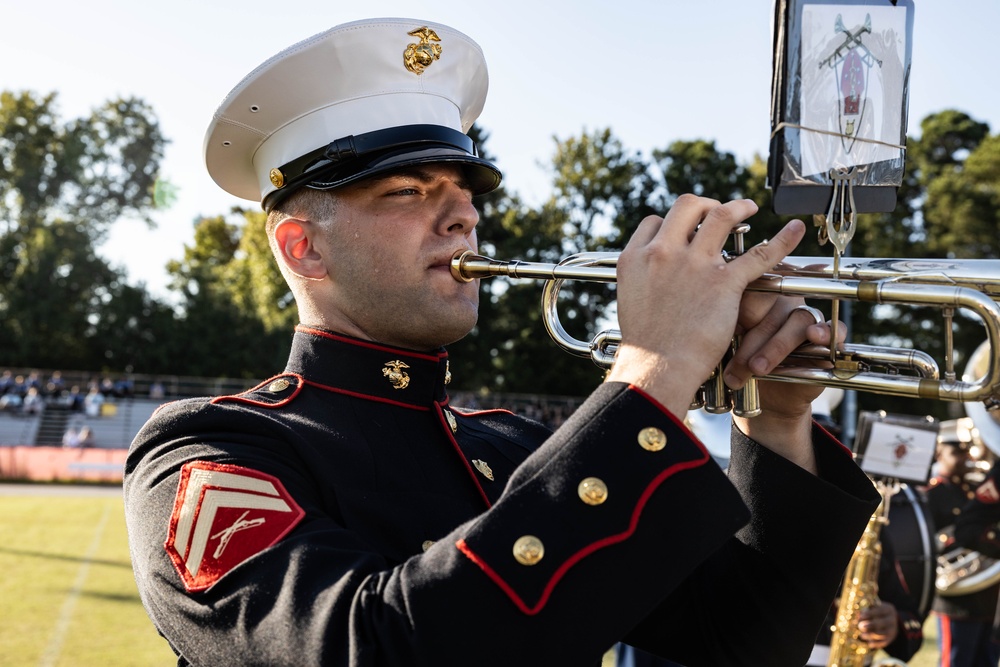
(987, 493)
(223, 515)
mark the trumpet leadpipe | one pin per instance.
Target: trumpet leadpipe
(468, 266)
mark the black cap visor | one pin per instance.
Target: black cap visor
(356, 157)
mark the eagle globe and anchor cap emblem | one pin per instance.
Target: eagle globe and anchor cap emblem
(418, 57)
(397, 376)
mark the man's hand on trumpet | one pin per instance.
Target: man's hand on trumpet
(772, 327)
(680, 303)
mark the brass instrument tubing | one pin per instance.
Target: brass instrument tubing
(949, 344)
(967, 284)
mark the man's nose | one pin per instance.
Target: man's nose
(459, 214)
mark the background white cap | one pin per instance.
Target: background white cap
(356, 100)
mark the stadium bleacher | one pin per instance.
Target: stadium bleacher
(18, 429)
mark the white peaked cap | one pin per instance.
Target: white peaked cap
(359, 99)
(827, 402)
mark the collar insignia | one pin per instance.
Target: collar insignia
(397, 376)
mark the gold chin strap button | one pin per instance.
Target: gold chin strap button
(593, 491)
(652, 439)
(427, 544)
(277, 178)
(528, 550)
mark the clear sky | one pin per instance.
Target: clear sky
(654, 71)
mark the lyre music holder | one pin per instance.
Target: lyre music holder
(838, 108)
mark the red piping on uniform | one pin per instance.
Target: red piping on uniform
(902, 578)
(473, 413)
(586, 551)
(944, 630)
(357, 394)
(461, 456)
(680, 423)
(843, 447)
(371, 346)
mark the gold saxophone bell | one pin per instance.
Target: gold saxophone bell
(945, 284)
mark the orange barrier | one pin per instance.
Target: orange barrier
(59, 464)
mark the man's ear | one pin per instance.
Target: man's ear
(294, 239)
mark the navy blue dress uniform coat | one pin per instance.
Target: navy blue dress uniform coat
(343, 513)
(945, 499)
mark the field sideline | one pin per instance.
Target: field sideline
(68, 599)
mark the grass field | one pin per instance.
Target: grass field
(67, 596)
(68, 599)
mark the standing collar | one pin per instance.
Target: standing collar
(369, 370)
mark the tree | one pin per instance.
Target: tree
(229, 329)
(61, 186)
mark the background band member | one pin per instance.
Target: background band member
(964, 515)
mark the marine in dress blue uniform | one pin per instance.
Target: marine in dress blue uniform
(965, 511)
(344, 513)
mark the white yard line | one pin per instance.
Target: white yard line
(52, 651)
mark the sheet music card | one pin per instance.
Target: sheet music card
(839, 101)
(897, 447)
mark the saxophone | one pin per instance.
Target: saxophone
(860, 591)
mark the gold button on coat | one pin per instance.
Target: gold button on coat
(652, 439)
(528, 550)
(593, 491)
(278, 385)
(427, 544)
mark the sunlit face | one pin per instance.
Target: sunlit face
(388, 250)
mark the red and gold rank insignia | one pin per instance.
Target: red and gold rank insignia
(224, 515)
(987, 493)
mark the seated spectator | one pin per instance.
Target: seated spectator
(124, 388)
(156, 390)
(86, 437)
(10, 402)
(33, 403)
(54, 387)
(71, 438)
(6, 382)
(74, 399)
(92, 402)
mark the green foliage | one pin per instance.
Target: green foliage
(236, 316)
(61, 186)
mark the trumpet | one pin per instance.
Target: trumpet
(946, 284)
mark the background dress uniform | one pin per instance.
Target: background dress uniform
(969, 631)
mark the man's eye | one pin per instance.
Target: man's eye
(404, 192)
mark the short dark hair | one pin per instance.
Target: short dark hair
(306, 203)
